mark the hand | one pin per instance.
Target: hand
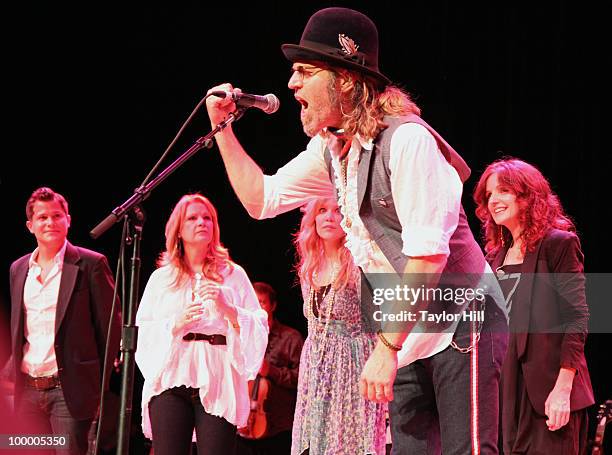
(191, 314)
(219, 108)
(376, 383)
(557, 407)
(211, 291)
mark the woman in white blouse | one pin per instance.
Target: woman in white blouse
(202, 336)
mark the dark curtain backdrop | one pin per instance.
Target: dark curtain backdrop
(95, 93)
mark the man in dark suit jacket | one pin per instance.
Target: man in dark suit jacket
(61, 298)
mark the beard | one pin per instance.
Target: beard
(310, 129)
(314, 121)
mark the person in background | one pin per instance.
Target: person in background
(61, 298)
(279, 370)
(202, 336)
(533, 246)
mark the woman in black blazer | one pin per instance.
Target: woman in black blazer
(533, 248)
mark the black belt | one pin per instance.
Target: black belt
(212, 339)
(42, 383)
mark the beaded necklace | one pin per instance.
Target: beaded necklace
(344, 178)
(320, 336)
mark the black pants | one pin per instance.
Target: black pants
(432, 410)
(174, 414)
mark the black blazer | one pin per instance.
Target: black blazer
(550, 317)
(81, 321)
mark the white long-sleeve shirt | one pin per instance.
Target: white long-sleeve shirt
(426, 192)
(220, 372)
(40, 308)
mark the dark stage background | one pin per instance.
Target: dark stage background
(97, 92)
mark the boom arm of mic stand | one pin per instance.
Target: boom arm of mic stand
(141, 193)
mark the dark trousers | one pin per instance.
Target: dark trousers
(279, 444)
(45, 413)
(175, 413)
(432, 410)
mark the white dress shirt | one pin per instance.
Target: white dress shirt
(40, 307)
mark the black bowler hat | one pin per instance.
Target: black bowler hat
(342, 37)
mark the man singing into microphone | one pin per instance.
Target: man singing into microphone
(399, 188)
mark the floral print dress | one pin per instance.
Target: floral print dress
(331, 417)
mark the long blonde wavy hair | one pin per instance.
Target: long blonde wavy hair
(311, 253)
(217, 256)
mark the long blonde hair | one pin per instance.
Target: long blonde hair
(311, 253)
(217, 257)
(364, 104)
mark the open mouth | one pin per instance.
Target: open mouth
(302, 101)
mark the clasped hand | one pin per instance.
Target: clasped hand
(209, 295)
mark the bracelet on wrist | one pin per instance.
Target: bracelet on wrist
(387, 343)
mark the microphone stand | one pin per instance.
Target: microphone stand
(135, 218)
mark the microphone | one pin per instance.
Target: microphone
(268, 103)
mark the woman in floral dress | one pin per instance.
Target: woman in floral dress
(331, 417)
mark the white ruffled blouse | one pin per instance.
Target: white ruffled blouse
(220, 372)
(366, 253)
